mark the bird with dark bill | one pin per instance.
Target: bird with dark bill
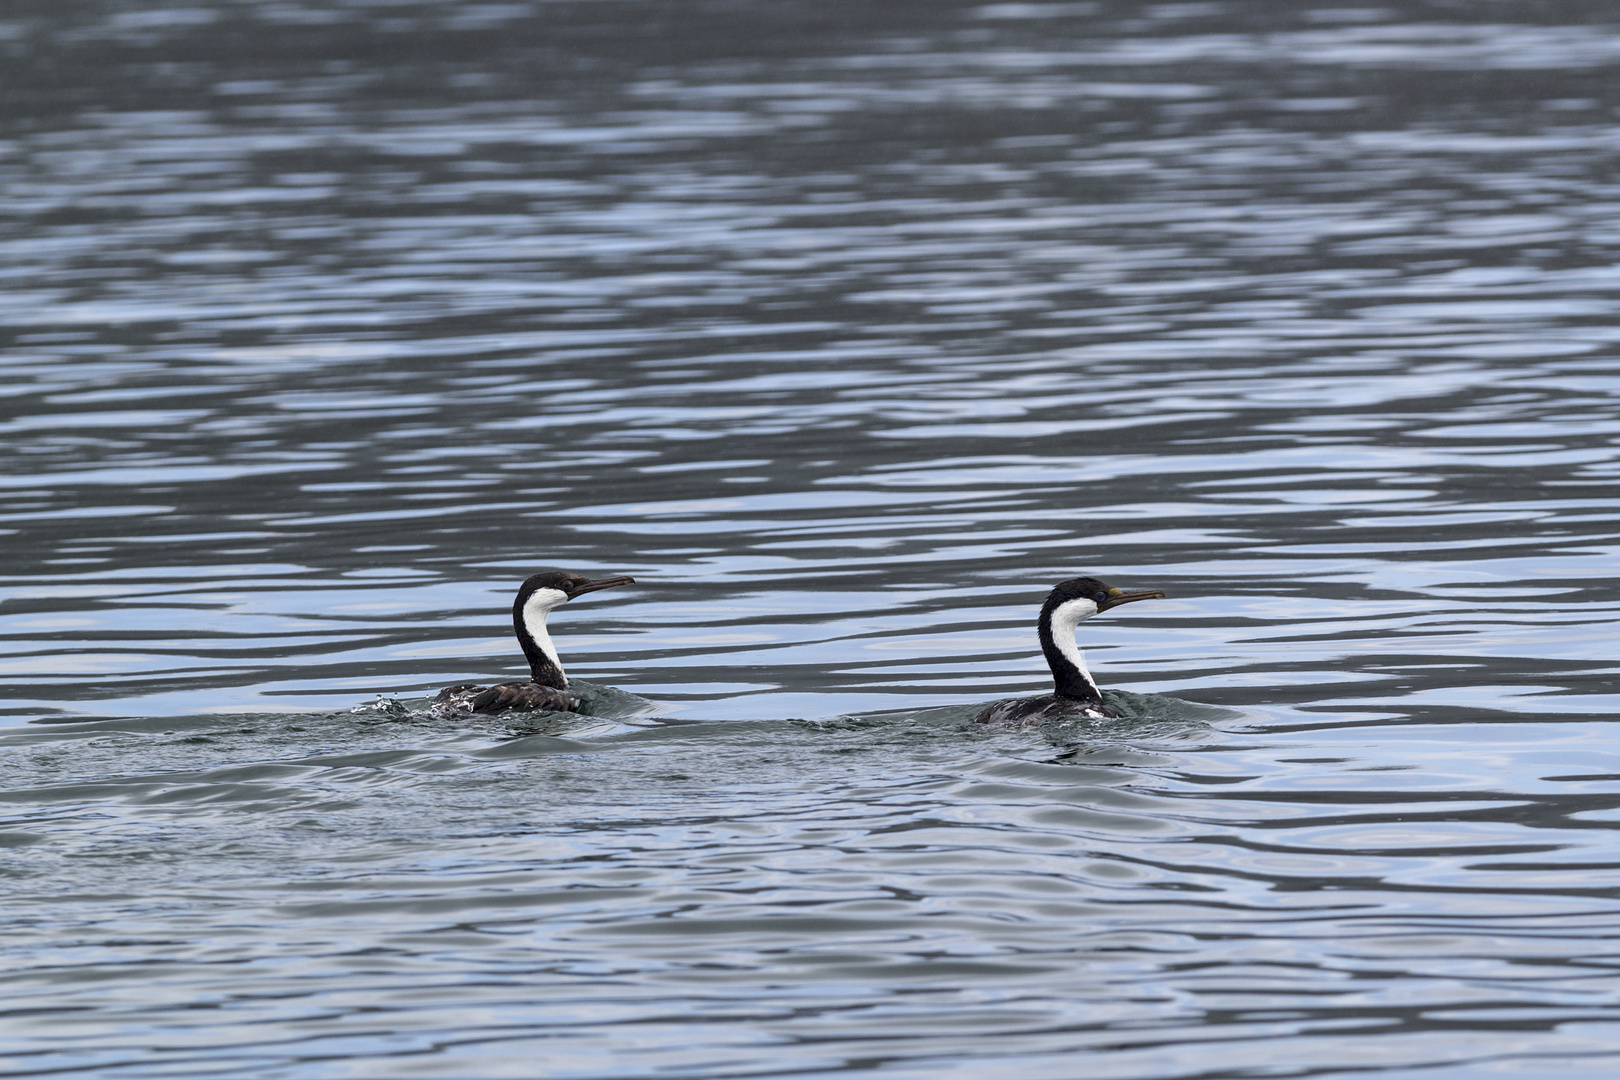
(547, 687)
(1075, 692)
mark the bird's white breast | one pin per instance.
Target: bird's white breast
(535, 610)
(1067, 616)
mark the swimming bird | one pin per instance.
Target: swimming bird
(547, 687)
(1076, 694)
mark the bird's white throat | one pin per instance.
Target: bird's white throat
(535, 610)
(1067, 616)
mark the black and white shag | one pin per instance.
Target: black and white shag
(547, 687)
(1075, 692)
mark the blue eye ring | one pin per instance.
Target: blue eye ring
(1100, 597)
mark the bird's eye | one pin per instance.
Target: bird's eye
(1100, 597)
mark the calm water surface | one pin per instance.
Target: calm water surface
(847, 329)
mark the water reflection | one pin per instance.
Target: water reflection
(847, 330)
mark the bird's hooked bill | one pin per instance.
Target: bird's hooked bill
(603, 583)
(1117, 597)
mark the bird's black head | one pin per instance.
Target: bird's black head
(1101, 593)
(567, 583)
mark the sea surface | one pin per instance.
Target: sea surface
(847, 329)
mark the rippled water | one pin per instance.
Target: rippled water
(847, 329)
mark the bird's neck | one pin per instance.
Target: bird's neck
(1070, 676)
(529, 623)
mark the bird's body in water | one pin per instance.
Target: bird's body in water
(547, 687)
(1075, 692)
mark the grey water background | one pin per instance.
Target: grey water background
(847, 328)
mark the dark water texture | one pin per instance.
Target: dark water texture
(847, 329)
